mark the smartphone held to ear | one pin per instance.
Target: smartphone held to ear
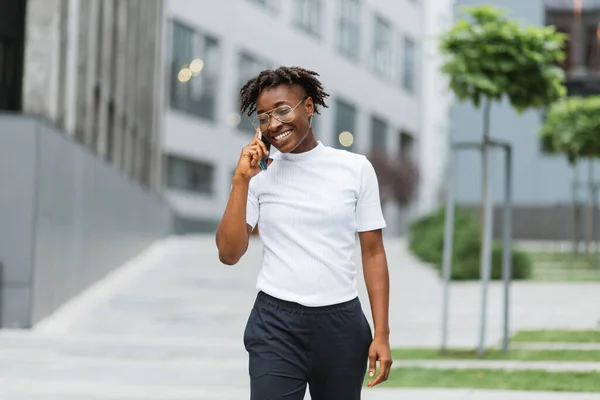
(264, 162)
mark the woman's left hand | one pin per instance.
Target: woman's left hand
(379, 351)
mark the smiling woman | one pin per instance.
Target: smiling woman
(307, 324)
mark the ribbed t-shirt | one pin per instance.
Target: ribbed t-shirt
(309, 207)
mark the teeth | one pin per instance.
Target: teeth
(283, 135)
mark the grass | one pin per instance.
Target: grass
(493, 379)
(562, 266)
(587, 336)
(495, 354)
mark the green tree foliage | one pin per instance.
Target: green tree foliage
(490, 56)
(572, 128)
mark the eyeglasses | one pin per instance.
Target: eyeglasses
(284, 114)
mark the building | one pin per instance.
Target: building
(369, 58)
(81, 100)
(436, 107)
(543, 185)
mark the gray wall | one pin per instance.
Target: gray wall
(67, 218)
(541, 182)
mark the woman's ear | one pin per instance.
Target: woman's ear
(309, 106)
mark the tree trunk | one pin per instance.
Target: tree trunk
(485, 155)
(486, 223)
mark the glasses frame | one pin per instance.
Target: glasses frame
(268, 114)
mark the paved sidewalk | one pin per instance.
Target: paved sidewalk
(169, 325)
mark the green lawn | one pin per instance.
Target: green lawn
(562, 266)
(493, 379)
(588, 336)
(494, 354)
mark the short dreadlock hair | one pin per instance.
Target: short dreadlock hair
(287, 75)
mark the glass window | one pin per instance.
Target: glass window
(193, 176)
(592, 46)
(249, 66)
(378, 134)
(345, 125)
(349, 28)
(407, 142)
(195, 72)
(382, 48)
(271, 5)
(408, 71)
(308, 15)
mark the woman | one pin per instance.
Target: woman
(307, 324)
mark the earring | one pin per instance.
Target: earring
(310, 120)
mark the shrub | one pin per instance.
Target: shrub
(427, 243)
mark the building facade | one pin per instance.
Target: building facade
(544, 186)
(81, 107)
(436, 105)
(368, 54)
(94, 70)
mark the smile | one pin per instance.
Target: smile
(283, 135)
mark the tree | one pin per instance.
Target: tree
(398, 177)
(488, 58)
(491, 56)
(572, 128)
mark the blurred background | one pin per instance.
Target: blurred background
(120, 131)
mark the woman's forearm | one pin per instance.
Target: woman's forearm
(378, 286)
(232, 234)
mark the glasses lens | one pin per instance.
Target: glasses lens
(284, 114)
(261, 121)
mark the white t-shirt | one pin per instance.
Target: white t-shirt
(309, 207)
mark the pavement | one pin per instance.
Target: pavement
(169, 324)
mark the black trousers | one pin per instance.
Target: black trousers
(290, 345)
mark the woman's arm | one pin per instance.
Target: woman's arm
(233, 233)
(377, 279)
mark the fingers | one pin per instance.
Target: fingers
(372, 364)
(257, 141)
(255, 152)
(384, 373)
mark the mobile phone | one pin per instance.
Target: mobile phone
(264, 162)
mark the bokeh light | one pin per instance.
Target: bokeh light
(346, 139)
(196, 66)
(185, 74)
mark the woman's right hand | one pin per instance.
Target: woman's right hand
(249, 162)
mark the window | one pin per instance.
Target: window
(378, 134)
(249, 66)
(193, 176)
(382, 48)
(408, 71)
(270, 5)
(406, 145)
(308, 15)
(345, 125)
(349, 28)
(592, 46)
(194, 72)
(12, 37)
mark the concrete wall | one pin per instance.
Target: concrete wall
(67, 219)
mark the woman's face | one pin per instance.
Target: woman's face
(289, 104)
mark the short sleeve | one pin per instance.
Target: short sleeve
(252, 209)
(369, 215)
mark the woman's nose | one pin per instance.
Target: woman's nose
(274, 123)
